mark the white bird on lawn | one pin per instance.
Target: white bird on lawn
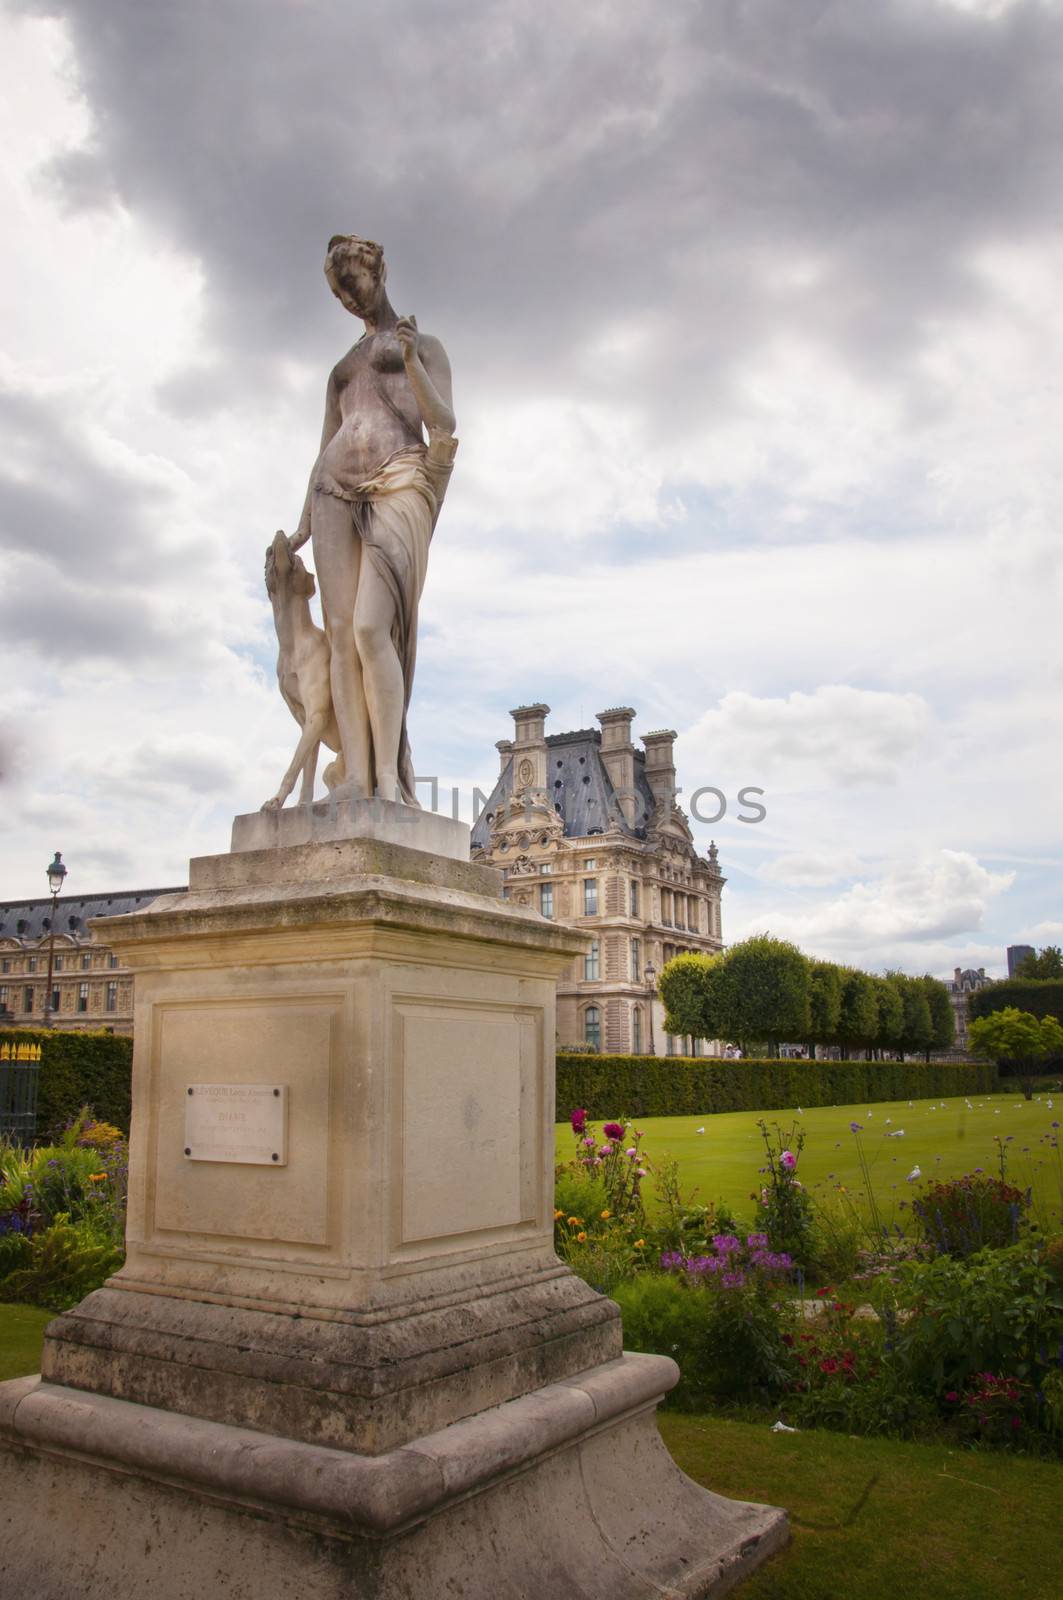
(699, 1130)
(915, 1173)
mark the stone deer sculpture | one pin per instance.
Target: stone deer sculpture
(303, 672)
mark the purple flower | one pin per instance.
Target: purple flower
(856, 1127)
(733, 1280)
(725, 1243)
(633, 1153)
(757, 1241)
(613, 1130)
(590, 1141)
(579, 1121)
(788, 1160)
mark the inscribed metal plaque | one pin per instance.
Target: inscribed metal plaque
(237, 1122)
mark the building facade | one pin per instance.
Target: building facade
(586, 830)
(963, 983)
(91, 989)
(1017, 954)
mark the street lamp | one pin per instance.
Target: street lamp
(651, 979)
(56, 874)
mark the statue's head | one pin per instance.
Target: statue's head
(285, 571)
(356, 271)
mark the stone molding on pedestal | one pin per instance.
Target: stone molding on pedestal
(353, 1369)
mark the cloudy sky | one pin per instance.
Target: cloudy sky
(754, 313)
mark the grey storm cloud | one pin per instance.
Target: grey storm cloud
(539, 172)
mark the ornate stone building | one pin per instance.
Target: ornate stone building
(963, 982)
(586, 829)
(91, 989)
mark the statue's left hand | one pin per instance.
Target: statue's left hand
(406, 333)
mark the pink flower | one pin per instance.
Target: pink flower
(579, 1121)
(613, 1130)
(788, 1160)
(590, 1142)
(606, 1150)
(633, 1153)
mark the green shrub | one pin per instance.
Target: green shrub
(1000, 1311)
(668, 1086)
(15, 1251)
(960, 1216)
(79, 1069)
(730, 1340)
(67, 1261)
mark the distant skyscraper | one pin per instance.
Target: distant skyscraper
(1017, 954)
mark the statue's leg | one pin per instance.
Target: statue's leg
(337, 558)
(306, 788)
(385, 689)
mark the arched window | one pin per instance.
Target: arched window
(592, 1027)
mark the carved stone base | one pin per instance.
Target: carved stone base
(565, 1494)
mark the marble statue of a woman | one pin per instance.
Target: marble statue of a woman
(374, 496)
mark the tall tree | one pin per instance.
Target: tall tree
(916, 1030)
(763, 992)
(824, 1002)
(890, 1029)
(942, 1016)
(686, 988)
(858, 1022)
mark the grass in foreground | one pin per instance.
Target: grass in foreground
(873, 1519)
(943, 1138)
(21, 1335)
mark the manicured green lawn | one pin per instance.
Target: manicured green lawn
(21, 1332)
(876, 1520)
(943, 1138)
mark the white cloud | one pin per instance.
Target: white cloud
(912, 902)
(749, 320)
(836, 736)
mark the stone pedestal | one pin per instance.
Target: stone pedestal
(350, 1365)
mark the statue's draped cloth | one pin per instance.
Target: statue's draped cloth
(394, 513)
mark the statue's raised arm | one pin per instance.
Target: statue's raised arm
(371, 506)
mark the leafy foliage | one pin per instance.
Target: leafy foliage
(67, 1261)
(961, 1216)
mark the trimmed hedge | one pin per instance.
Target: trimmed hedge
(1041, 997)
(79, 1069)
(670, 1086)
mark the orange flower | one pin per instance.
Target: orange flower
(582, 1237)
(97, 1177)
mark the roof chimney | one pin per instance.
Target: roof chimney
(660, 763)
(505, 750)
(529, 747)
(618, 756)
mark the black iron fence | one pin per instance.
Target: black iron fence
(20, 1076)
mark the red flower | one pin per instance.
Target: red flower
(828, 1364)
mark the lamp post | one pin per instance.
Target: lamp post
(651, 979)
(56, 874)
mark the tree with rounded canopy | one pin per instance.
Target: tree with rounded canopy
(824, 1001)
(762, 993)
(890, 1015)
(858, 1020)
(1016, 1039)
(942, 1016)
(686, 987)
(916, 1030)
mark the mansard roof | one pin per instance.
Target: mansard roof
(30, 920)
(581, 789)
